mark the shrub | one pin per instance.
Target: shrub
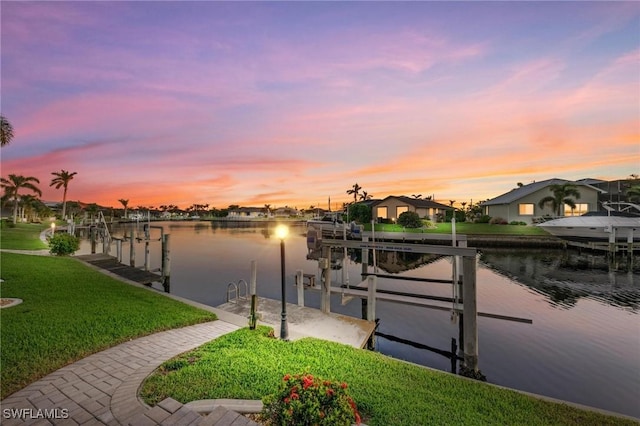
(483, 219)
(63, 244)
(306, 400)
(516, 222)
(359, 213)
(498, 221)
(410, 220)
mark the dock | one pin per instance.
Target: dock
(111, 264)
(306, 322)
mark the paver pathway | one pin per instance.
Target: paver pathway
(102, 388)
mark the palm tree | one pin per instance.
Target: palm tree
(62, 179)
(355, 190)
(561, 192)
(365, 196)
(6, 131)
(124, 203)
(417, 196)
(14, 184)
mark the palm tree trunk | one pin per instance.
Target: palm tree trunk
(15, 211)
(64, 204)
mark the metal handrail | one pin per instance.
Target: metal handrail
(232, 287)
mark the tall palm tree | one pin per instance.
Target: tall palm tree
(14, 184)
(355, 189)
(417, 196)
(560, 197)
(124, 203)
(62, 179)
(6, 131)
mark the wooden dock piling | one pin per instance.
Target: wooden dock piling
(166, 264)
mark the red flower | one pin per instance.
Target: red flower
(307, 381)
(286, 377)
(343, 385)
(358, 420)
(330, 392)
(295, 396)
(286, 400)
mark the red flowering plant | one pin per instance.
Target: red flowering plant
(303, 399)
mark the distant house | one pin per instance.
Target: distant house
(522, 204)
(248, 213)
(393, 206)
(286, 212)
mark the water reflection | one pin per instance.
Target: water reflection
(565, 276)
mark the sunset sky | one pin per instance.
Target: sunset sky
(290, 103)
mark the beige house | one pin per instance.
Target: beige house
(248, 213)
(521, 204)
(393, 206)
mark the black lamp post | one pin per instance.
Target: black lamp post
(281, 232)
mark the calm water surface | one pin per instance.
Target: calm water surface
(583, 345)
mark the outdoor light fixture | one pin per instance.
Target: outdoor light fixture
(53, 228)
(281, 232)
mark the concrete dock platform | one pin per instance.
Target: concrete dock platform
(306, 322)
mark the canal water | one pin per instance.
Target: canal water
(583, 344)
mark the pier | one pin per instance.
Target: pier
(306, 322)
(111, 264)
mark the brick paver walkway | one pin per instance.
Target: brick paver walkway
(102, 388)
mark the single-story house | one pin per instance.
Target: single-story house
(286, 212)
(393, 206)
(522, 204)
(247, 213)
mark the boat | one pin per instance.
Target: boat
(622, 224)
(330, 223)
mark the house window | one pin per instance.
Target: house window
(578, 211)
(382, 212)
(525, 209)
(401, 209)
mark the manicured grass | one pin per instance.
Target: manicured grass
(249, 364)
(71, 311)
(467, 228)
(22, 236)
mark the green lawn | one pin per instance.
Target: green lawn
(71, 311)
(22, 236)
(249, 364)
(467, 228)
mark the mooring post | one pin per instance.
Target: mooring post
(365, 270)
(119, 250)
(630, 250)
(372, 282)
(470, 312)
(147, 256)
(105, 242)
(92, 236)
(132, 249)
(325, 266)
(166, 264)
(365, 257)
(253, 314)
(300, 286)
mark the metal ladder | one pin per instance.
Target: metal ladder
(234, 291)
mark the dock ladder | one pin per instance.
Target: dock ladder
(234, 291)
